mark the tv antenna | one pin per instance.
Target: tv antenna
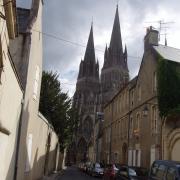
(163, 25)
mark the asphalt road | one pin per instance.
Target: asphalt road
(72, 173)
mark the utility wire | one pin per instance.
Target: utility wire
(74, 43)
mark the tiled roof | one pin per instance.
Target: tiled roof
(168, 53)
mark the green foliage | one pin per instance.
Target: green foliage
(168, 87)
(56, 107)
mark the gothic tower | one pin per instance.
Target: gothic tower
(86, 97)
(115, 73)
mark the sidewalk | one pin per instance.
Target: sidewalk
(53, 176)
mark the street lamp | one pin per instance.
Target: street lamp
(145, 109)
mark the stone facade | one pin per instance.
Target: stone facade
(11, 93)
(38, 143)
(132, 127)
(92, 92)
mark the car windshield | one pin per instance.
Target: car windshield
(137, 172)
(179, 170)
(132, 172)
(97, 165)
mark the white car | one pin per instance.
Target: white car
(97, 169)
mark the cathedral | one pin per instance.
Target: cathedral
(94, 90)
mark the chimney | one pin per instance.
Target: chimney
(151, 38)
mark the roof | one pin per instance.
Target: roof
(168, 53)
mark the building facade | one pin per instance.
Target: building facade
(38, 143)
(133, 131)
(11, 93)
(92, 91)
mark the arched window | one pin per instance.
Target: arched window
(154, 126)
(154, 82)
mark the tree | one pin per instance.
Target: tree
(55, 105)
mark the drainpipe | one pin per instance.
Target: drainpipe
(110, 144)
(128, 129)
(18, 140)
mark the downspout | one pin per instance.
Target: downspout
(18, 140)
(110, 144)
(25, 56)
(128, 129)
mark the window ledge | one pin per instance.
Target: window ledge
(4, 131)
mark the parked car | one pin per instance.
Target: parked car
(97, 170)
(110, 172)
(87, 166)
(131, 173)
(166, 170)
(81, 166)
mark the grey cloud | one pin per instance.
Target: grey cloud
(71, 19)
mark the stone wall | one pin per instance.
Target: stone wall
(42, 150)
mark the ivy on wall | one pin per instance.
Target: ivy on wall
(168, 87)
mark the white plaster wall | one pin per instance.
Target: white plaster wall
(10, 107)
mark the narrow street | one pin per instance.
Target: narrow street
(72, 173)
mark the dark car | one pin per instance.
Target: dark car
(132, 173)
(97, 170)
(110, 172)
(166, 170)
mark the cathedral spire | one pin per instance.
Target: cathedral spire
(90, 52)
(116, 41)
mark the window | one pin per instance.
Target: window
(29, 152)
(36, 82)
(139, 92)
(137, 121)
(131, 127)
(154, 126)
(154, 82)
(171, 174)
(123, 172)
(161, 171)
(154, 169)
(1, 59)
(132, 98)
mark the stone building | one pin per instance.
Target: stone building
(11, 92)
(86, 98)
(37, 145)
(92, 92)
(132, 127)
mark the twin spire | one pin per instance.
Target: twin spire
(116, 41)
(90, 52)
(115, 49)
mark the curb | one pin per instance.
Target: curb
(53, 176)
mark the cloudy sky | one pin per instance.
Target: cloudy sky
(70, 20)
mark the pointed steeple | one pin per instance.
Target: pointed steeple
(165, 41)
(90, 52)
(125, 50)
(116, 41)
(106, 53)
(125, 53)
